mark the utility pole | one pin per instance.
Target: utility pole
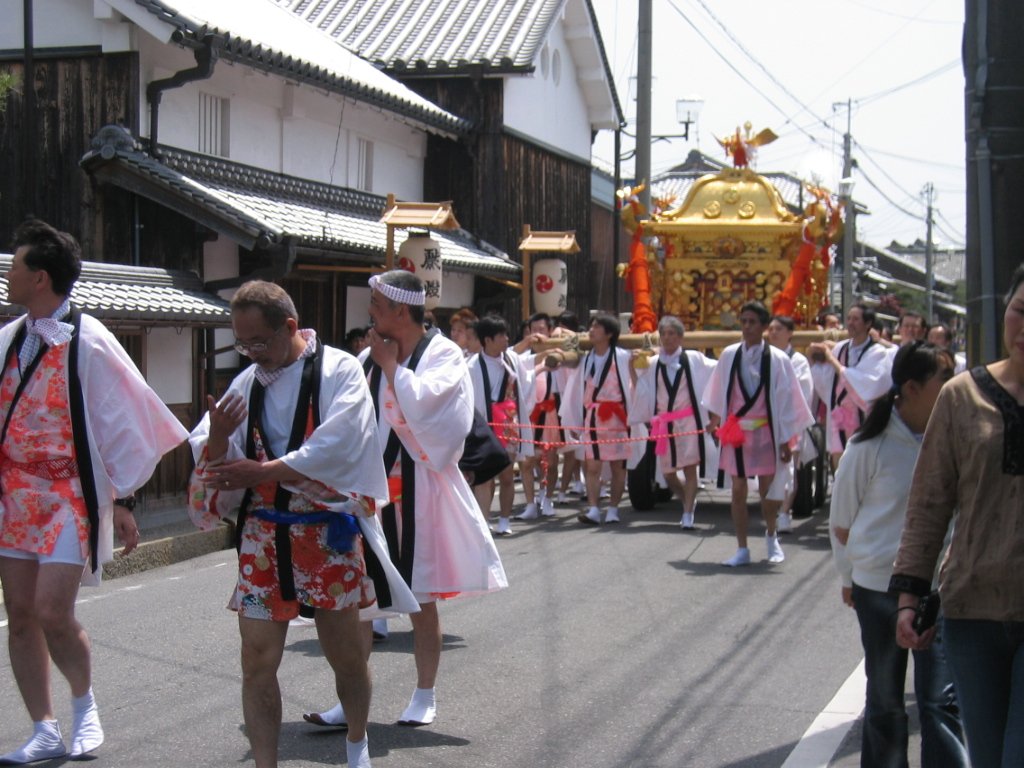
(850, 230)
(643, 101)
(929, 257)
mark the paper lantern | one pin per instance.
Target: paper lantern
(421, 255)
(550, 286)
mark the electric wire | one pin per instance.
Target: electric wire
(735, 69)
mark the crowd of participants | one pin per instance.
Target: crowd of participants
(355, 500)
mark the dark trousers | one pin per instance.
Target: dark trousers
(886, 732)
(987, 660)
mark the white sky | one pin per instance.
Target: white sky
(819, 54)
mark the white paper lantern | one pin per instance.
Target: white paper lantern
(550, 286)
(421, 255)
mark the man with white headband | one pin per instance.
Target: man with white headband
(436, 534)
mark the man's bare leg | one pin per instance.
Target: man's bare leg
(427, 639)
(30, 658)
(342, 639)
(592, 476)
(618, 485)
(484, 495)
(262, 648)
(738, 510)
(769, 507)
(426, 633)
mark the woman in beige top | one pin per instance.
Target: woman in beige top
(971, 466)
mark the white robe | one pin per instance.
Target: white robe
(342, 453)
(524, 377)
(866, 380)
(454, 551)
(790, 414)
(645, 398)
(572, 411)
(129, 428)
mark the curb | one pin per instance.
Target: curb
(170, 550)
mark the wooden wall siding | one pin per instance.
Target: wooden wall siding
(603, 260)
(75, 97)
(551, 192)
(320, 300)
(170, 480)
(499, 182)
(470, 172)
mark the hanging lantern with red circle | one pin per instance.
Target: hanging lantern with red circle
(550, 286)
(421, 255)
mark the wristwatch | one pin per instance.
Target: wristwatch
(128, 502)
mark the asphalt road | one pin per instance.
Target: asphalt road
(620, 646)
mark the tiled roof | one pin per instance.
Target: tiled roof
(136, 295)
(258, 207)
(259, 34)
(435, 34)
(441, 37)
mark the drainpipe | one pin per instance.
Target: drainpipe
(29, 137)
(206, 59)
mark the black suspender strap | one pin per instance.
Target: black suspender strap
(764, 385)
(402, 552)
(307, 406)
(695, 404)
(83, 455)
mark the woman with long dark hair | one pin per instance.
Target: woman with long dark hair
(869, 502)
(972, 466)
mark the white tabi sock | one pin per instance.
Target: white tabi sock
(422, 708)
(86, 731)
(45, 744)
(358, 753)
(333, 716)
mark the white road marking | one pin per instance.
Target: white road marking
(821, 740)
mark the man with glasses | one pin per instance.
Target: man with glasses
(293, 446)
(82, 431)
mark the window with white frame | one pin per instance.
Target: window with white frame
(214, 125)
(364, 165)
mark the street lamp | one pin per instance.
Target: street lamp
(849, 237)
(687, 110)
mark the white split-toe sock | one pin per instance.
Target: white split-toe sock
(422, 708)
(45, 744)
(86, 731)
(333, 716)
(358, 753)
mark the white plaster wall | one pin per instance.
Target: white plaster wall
(63, 23)
(169, 363)
(357, 306)
(552, 114)
(286, 128)
(220, 261)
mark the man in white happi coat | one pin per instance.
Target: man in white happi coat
(546, 433)
(436, 533)
(293, 445)
(780, 335)
(849, 377)
(667, 395)
(595, 407)
(82, 431)
(756, 410)
(503, 396)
